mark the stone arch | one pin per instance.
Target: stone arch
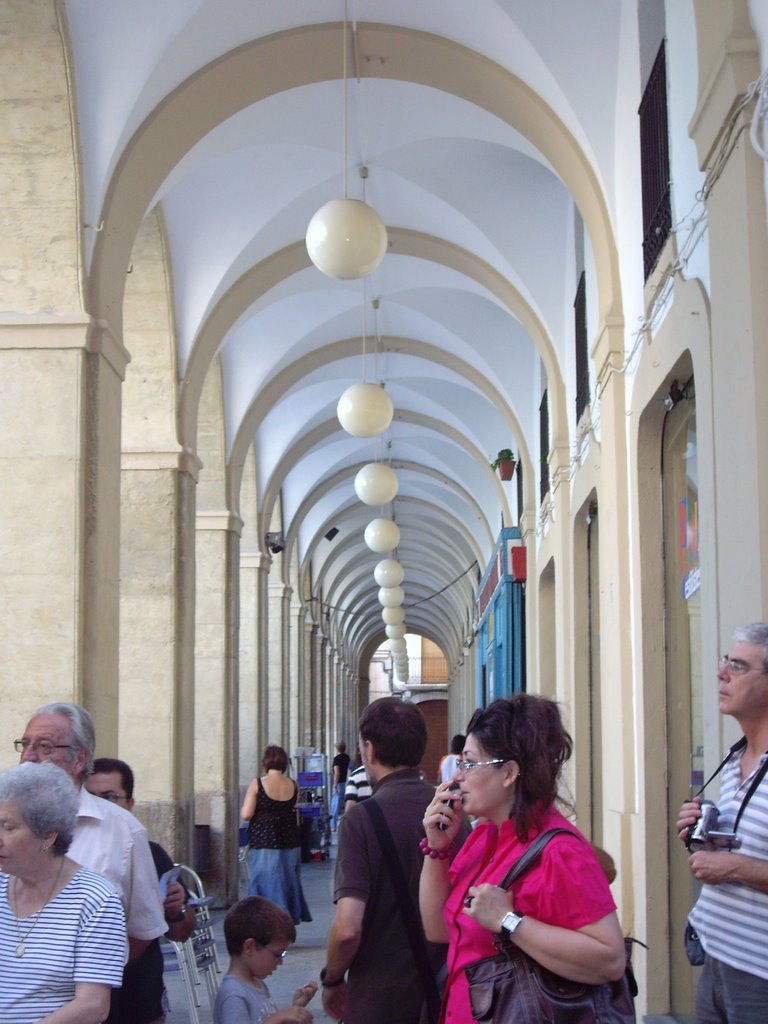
(307, 55)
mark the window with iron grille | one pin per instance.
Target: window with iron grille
(654, 158)
(582, 354)
(544, 445)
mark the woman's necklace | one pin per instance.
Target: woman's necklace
(21, 947)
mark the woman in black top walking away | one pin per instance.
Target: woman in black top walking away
(274, 859)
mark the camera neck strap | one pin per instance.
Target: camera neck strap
(734, 750)
(757, 779)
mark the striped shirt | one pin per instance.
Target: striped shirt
(358, 787)
(732, 918)
(78, 936)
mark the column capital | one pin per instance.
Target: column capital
(221, 520)
(152, 459)
(255, 560)
(69, 331)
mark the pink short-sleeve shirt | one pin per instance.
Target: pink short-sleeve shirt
(566, 888)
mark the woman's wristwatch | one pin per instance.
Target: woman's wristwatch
(511, 922)
(329, 984)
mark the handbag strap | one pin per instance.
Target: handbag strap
(411, 920)
(531, 855)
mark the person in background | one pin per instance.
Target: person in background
(449, 761)
(141, 997)
(370, 975)
(107, 838)
(358, 787)
(62, 928)
(731, 913)
(257, 933)
(274, 839)
(562, 913)
(340, 768)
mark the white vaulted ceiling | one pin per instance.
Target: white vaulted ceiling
(485, 126)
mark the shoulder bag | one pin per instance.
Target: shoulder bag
(512, 987)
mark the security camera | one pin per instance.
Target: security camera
(275, 542)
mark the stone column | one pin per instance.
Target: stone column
(307, 676)
(254, 570)
(738, 253)
(298, 707)
(277, 655)
(619, 790)
(60, 380)
(216, 695)
(157, 637)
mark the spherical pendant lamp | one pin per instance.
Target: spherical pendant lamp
(397, 646)
(365, 410)
(382, 535)
(376, 483)
(391, 597)
(389, 573)
(346, 239)
(395, 632)
(393, 616)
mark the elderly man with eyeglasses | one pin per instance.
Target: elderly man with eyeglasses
(107, 839)
(731, 914)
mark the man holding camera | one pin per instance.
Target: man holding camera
(731, 914)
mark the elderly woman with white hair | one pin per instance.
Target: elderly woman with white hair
(62, 927)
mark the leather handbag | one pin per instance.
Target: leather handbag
(512, 988)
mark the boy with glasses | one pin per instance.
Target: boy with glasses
(258, 933)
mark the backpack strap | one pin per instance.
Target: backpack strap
(408, 912)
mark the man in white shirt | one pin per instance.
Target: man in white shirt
(107, 838)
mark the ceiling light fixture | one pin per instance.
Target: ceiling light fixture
(365, 410)
(389, 573)
(382, 535)
(391, 597)
(376, 484)
(346, 238)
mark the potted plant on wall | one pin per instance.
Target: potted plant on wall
(505, 462)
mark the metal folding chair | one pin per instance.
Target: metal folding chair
(197, 958)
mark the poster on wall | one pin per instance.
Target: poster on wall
(688, 547)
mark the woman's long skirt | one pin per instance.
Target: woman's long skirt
(276, 875)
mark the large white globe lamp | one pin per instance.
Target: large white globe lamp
(393, 616)
(376, 483)
(395, 632)
(382, 535)
(365, 410)
(346, 239)
(389, 573)
(391, 597)
(397, 646)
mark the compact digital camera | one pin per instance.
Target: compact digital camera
(705, 831)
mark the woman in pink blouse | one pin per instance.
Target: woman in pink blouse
(560, 912)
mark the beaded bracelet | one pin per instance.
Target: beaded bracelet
(427, 850)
